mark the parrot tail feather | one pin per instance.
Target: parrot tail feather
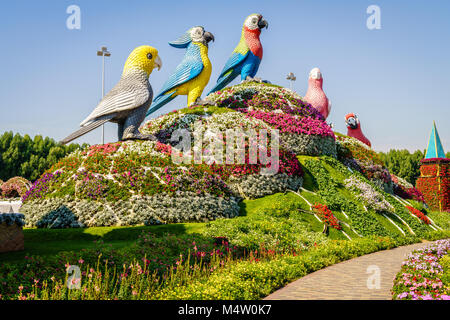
(160, 101)
(85, 129)
(223, 81)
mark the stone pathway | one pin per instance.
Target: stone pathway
(348, 280)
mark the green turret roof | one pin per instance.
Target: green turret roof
(434, 149)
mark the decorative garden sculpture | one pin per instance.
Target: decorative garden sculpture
(354, 128)
(434, 180)
(247, 56)
(193, 73)
(127, 103)
(315, 94)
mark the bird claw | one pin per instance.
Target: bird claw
(139, 136)
(255, 79)
(201, 102)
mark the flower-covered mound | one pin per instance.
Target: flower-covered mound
(138, 182)
(253, 106)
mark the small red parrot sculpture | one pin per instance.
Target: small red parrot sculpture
(315, 95)
(354, 128)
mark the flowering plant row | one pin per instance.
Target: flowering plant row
(419, 214)
(376, 173)
(301, 135)
(363, 222)
(326, 216)
(405, 190)
(368, 194)
(266, 97)
(67, 212)
(423, 277)
(351, 148)
(288, 123)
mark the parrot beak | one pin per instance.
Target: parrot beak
(208, 36)
(315, 74)
(352, 123)
(158, 63)
(263, 24)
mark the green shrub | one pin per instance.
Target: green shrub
(280, 226)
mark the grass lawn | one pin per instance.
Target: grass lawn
(46, 242)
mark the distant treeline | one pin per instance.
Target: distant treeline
(29, 158)
(404, 164)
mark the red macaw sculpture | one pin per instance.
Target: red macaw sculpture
(354, 128)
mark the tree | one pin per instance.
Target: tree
(404, 164)
(29, 158)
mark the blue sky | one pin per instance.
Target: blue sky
(396, 79)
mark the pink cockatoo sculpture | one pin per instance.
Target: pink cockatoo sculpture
(315, 95)
(354, 128)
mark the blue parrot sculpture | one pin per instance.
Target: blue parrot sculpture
(193, 73)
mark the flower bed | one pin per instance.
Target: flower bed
(377, 174)
(364, 191)
(351, 148)
(119, 172)
(160, 208)
(422, 276)
(303, 136)
(222, 277)
(266, 97)
(326, 216)
(363, 222)
(419, 214)
(405, 190)
(140, 176)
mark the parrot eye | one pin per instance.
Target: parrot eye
(149, 56)
(255, 21)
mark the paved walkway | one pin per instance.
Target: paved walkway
(349, 280)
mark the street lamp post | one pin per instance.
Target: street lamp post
(291, 77)
(103, 53)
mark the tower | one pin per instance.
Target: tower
(434, 180)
